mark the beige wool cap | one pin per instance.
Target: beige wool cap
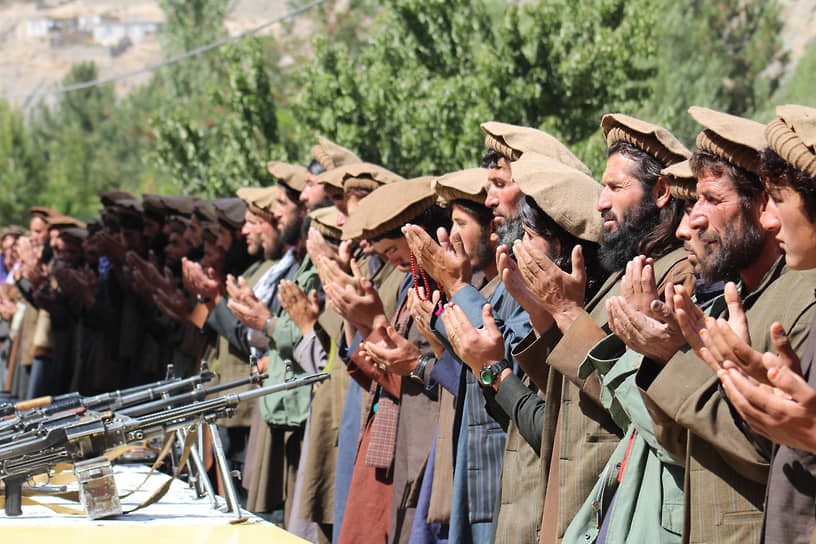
(512, 141)
(567, 195)
(291, 175)
(793, 137)
(63, 221)
(367, 176)
(389, 207)
(469, 184)
(324, 221)
(259, 200)
(330, 155)
(683, 185)
(735, 139)
(649, 138)
(230, 212)
(43, 212)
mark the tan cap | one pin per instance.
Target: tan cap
(793, 137)
(324, 221)
(652, 139)
(512, 141)
(109, 198)
(389, 207)
(735, 139)
(683, 185)
(63, 221)
(469, 184)
(179, 204)
(330, 155)
(291, 175)
(259, 200)
(567, 195)
(230, 212)
(367, 176)
(73, 234)
(45, 213)
(332, 179)
(12, 230)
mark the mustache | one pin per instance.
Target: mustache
(608, 215)
(706, 236)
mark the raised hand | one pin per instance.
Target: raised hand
(540, 319)
(302, 310)
(173, 304)
(561, 294)
(447, 262)
(422, 312)
(394, 353)
(638, 283)
(475, 347)
(250, 311)
(358, 302)
(657, 339)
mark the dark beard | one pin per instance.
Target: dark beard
(484, 254)
(511, 230)
(621, 246)
(737, 250)
(291, 233)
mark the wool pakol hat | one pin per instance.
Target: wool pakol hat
(177, 223)
(324, 221)
(652, 139)
(230, 212)
(389, 207)
(367, 176)
(45, 213)
(179, 204)
(291, 175)
(330, 155)
(793, 137)
(63, 221)
(109, 198)
(735, 139)
(567, 195)
(469, 184)
(73, 234)
(153, 206)
(683, 185)
(512, 141)
(205, 211)
(259, 200)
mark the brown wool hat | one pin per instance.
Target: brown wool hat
(109, 198)
(512, 141)
(389, 207)
(567, 195)
(793, 137)
(179, 204)
(205, 211)
(12, 230)
(652, 139)
(683, 184)
(177, 223)
(230, 212)
(73, 234)
(330, 155)
(210, 231)
(45, 213)
(153, 206)
(735, 139)
(259, 200)
(324, 221)
(367, 176)
(332, 180)
(469, 184)
(63, 221)
(291, 175)
(94, 226)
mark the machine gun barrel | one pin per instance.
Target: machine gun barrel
(38, 452)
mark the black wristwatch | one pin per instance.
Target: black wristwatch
(489, 374)
(418, 373)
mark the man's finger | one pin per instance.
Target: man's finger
(783, 346)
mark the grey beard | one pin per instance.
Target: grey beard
(511, 230)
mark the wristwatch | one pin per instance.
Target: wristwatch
(489, 374)
(418, 373)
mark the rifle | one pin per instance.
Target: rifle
(23, 421)
(40, 453)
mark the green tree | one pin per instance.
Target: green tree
(22, 174)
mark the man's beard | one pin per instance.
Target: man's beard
(275, 252)
(510, 230)
(621, 245)
(325, 202)
(291, 233)
(484, 254)
(725, 256)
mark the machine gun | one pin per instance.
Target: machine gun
(30, 419)
(39, 454)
